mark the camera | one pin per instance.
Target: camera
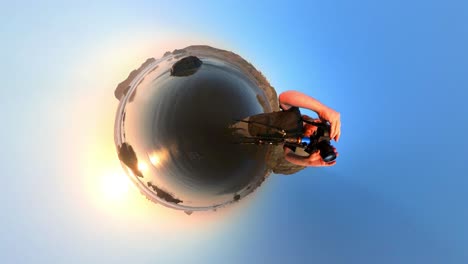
(320, 140)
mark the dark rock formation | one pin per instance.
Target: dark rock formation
(186, 66)
(128, 156)
(123, 87)
(163, 194)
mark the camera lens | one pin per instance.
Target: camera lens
(326, 151)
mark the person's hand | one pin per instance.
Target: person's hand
(314, 160)
(333, 117)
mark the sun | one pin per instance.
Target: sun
(115, 186)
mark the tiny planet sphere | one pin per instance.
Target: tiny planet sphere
(171, 129)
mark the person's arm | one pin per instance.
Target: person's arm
(289, 99)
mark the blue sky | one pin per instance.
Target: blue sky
(396, 70)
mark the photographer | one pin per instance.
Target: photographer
(291, 100)
(288, 128)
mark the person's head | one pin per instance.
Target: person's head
(308, 128)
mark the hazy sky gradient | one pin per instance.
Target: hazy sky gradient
(396, 70)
